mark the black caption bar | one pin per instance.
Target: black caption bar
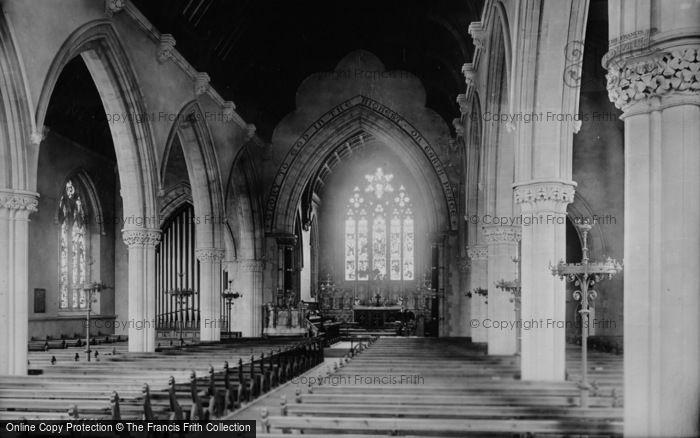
(127, 429)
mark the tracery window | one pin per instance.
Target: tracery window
(73, 248)
(379, 231)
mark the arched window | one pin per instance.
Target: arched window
(379, 231)
(74, 242)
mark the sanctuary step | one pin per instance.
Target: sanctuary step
(448, 387)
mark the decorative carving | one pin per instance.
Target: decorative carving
(114, 6)
(464, 264)
(201, 83)
(476, 30)
(37, 136)
(499, 234)
(655, 75)
(136, 237)
(463, 103)
(229, 109)
(165, 48)
(19, 201)
(459, 128)
(478, 252)
(251, 265)
(250, 131)
(470, 81)
(209, 255)
(544, 196)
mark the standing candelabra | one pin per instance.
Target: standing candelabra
(91, 290)
(182, 295)
(229, 295)
(584, 275)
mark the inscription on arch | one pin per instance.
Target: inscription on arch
(334, 113)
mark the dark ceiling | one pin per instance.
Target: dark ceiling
(257, 52)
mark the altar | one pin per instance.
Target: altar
(375, 317)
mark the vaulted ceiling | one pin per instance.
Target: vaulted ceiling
(257, 52)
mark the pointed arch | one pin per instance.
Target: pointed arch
(16, 123)
(173, 199)
(198, 149)
(98, 44)
(328, 132)
(245, 229)
(85, 181)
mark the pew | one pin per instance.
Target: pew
(147, 382)
(461, 392)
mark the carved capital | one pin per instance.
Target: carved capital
(476, 30)
(547, 196)
(165, 47)
(201, 83)
(114, 6)
(478, 252)
(250, 265)
(19, 202)
(654, 75)
(141, 237)
(501, 234)
(209, 255)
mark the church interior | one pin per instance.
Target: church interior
(210, 206)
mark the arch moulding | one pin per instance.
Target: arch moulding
(318, 139)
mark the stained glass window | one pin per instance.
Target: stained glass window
(73, 249)
(379, 231)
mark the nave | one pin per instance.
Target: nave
(447, 387)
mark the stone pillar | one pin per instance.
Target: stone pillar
(658, 89)
(15, 208)
(247, 311)
(543, 305)
(478, 254)
(210, 321)
(142, 294)
(502, 242)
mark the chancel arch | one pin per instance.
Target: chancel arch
(322, 137)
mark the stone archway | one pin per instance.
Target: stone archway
(244, 262)
(205, 182)
(359, 112)
(97, 43)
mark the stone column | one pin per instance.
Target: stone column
(543, 302)
(142, 294)
(248, 309)
(15, 208)
(657, 87)
(210, 321)
(478, 254)
(502, 242)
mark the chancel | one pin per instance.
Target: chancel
(268, 210)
